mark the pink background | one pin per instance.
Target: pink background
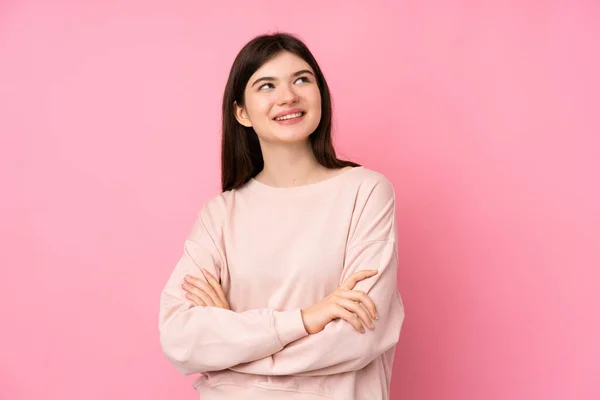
(485, 117)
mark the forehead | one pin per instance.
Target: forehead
(281, 66)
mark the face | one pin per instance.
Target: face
(283, 101)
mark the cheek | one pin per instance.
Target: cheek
(259, 107)
(256, 104)
(315, 98)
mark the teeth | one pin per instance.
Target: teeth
(289, 116)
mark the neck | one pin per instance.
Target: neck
(290, 164)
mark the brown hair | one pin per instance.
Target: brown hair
(241, 156)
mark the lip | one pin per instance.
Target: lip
(287, 112)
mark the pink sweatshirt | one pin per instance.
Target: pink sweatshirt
(276, 251)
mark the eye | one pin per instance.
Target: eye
(266, 84)
(303, 77)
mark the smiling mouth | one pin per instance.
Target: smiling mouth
(290, 116)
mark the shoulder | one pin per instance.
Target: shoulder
(373, 186)
(217, 204)
(374, 208)
(215, 210)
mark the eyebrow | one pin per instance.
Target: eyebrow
(271, 78)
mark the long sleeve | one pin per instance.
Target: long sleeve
(339, 348)
(201, 339)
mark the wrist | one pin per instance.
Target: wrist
(304, 315)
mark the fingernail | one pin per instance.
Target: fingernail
(376, 316)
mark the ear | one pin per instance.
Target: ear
(241, 116)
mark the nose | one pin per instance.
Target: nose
(287, 95)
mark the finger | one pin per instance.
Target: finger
(357, 277)
(196, 291)
(349, 317)
(215, 285)
(357, 309)
(195, 299)
(205, 287)
(362, 298)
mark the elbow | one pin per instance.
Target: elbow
(395, 323)
(178, 344)
(387, 338)
(177, 354)
(187, 356)
(182, 350)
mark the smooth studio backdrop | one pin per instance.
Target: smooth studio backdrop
(483, 114)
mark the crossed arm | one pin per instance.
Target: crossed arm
(269, 342)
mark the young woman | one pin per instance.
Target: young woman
(286, 288)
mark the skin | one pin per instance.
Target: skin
(289, 161)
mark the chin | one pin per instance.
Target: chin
(291, 137)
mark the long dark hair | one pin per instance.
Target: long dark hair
(241, 156)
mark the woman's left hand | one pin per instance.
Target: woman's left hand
(205, 294)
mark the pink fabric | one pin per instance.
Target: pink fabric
(276, 251)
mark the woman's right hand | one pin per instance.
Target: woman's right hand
(344, 303)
